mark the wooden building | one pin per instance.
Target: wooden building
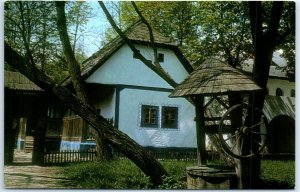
(26, 118)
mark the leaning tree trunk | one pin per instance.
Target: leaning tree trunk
(103, 150)
(120, 141)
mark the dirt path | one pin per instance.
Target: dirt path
(30, 177)
(22, 175)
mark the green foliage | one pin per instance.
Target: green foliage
(121, 174)
(212, 28)
(30, 28)
(171, 183)
(201, 29)
(280, 173)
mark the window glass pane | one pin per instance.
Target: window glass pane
(169, 117)
(149, 116)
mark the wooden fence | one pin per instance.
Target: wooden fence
(75, 156)
(175, 156)
(71, 156)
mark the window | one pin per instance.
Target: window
(161, 57)
(169, 117)
(149, 116)
(293, 93)
(279, 92)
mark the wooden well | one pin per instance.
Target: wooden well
(204, 177)
(211, 82)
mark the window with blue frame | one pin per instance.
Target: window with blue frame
(169, 117)
(149, 116)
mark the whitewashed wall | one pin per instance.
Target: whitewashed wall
(122, 68)
(283, 84)
(130, 119)
(107, 105)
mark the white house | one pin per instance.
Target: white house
(136, 97)
(279, 106)
(278, 83)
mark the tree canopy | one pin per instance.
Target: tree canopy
(38, 39)
(205, 28)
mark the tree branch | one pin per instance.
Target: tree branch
(73, 65)
(31, 72)
(255, 13)
(26, 40)
(156, 62)
(276, 12)
(148, 63)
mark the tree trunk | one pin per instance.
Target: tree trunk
(264, 46)
(103, 150)
(120, 141)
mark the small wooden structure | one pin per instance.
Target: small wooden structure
(25, 116)
(213, 87)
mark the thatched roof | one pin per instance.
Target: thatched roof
(137, 33)
(17, 81)
(214, 77)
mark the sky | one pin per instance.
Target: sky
(95, 29)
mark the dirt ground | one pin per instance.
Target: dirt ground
(22, 175)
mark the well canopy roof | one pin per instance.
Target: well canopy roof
(214, 76)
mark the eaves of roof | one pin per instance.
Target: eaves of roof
(18, 82)
(270, 76)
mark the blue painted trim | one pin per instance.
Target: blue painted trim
(117, 107)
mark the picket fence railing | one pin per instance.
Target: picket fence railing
(69, 156)
(73, 156)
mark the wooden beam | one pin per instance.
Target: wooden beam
(200, 131)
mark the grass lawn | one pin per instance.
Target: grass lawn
(123, 174)
(278, 174)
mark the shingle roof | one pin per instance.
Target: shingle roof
(214, 77)
(137, 33)
(17, 81)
